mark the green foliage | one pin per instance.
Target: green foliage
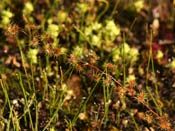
(86, 65)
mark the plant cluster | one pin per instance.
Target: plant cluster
(89, 65)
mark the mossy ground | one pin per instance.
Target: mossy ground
(97, 65)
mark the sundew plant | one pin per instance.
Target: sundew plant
(87, 65)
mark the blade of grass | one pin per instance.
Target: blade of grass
(84, 104)
(27, 107)
(150, 62)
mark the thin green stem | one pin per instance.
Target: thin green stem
(124, 63)
(82, 34)
(105, 9)
(150, 61)
(86, 101)
(114, 9)
(27, 108)
(23, 64)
